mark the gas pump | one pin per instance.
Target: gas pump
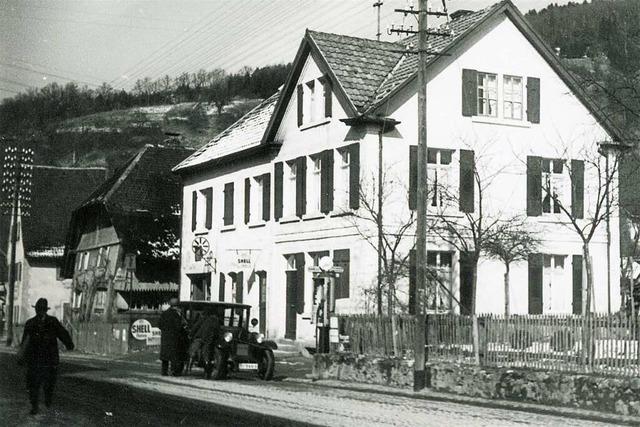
(324, 276)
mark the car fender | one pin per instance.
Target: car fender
(270, 344)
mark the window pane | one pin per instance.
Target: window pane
(546, 165)
(517, 111)
(445, 157)
(432, 258)
(508, 110)
(445, 259)
(492, 107)
(432, 155)
(547, 261)
(558, 260)
(557, 166)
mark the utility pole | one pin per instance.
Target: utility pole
(419, 376)
(378, 4)
(16, 187)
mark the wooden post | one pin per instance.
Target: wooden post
(421, 229)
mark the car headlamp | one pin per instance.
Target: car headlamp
(228, 336)
(260, 338)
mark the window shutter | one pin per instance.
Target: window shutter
(467, 181)
(354, 176)
(533, 99)
(194, 210)
(326, 182)
(247, 200)
(577, 188)
(266, 197)
(412, 281)
(208, 197)
(228, 204)
(299, 259)
(534, 186)
(301, 186)
(413, 176)
(221, 287)
(341, 258)
(278, 173)
(535, 284)
(239, 287)
(326, 86)
(469, 92)
(577, 284)
(300, 104)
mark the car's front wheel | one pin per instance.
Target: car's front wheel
(266, 365)
(217, 367)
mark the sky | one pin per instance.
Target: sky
(119, 41)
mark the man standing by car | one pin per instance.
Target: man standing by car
(173, 339)
(39, 350)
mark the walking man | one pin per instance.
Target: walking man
(40, 353)
(173, 339)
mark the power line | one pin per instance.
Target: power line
(57, 69)
(47, 74)
(9, 90)
(15, 83)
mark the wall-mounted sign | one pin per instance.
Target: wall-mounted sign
(141, 329)
(154, 339)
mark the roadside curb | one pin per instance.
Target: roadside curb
(583, 414)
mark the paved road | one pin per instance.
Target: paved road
(94, 392)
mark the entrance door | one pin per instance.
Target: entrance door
(466, 284)
(262, 301)
(291, 320)
(200, 286)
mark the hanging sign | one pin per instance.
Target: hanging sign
(141, 329)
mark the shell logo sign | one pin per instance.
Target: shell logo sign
(141, 329)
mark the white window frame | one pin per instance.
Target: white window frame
(314, 184)
(289, 193)
(341, 181)
(483, 95)
(554, 270)
(512, 97)
(255, 200)
(555, 183)
(444, 271)
(437, 172)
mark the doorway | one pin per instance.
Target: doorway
(200, 284)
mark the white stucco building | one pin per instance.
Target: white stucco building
(284, 185)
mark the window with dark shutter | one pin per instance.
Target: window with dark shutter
(577, 188)
(194, 210)
(467, 181)
(221, 286)
(278, 175)
(354, 176)
(413, 176)
(469, 92)
(301, 186)
(326, 182)
(300, 99)
(247, 200)
(266, 196)
(341, 258)
(577, 284)
(533, 99)
(534, 186)
(228, 204)
(299, 260)
(326, 87)
(535, 284)
(208, 200)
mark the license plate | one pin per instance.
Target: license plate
(247, 366)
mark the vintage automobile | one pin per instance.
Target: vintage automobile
(236, 348)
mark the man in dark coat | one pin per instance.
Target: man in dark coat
(40, 341)
(173, 339)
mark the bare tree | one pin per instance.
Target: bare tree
(512, 241)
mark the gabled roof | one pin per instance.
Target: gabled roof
(56, 191)
(365, 73)
(144, 184)
(246, 133)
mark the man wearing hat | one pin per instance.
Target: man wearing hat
(40, 350)
(173, 339)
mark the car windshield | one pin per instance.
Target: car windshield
(234, 317)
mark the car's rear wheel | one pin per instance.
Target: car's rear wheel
(266, 365)
(217, 367)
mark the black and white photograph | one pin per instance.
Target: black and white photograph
(319, 213)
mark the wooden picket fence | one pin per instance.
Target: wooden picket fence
(601, 343)
(371, 334)
(99, 337)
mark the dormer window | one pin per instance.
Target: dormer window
(314, 101)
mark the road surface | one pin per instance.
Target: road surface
(98, 392)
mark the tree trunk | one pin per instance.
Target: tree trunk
(476, 334)
(506, 291)
(587, 294)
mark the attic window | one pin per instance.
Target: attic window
(314, 101)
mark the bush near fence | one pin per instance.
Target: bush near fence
(598, 343)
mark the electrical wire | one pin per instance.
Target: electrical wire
(47, 74)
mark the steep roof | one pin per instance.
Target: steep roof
(246, 133)
(55, 192)
(144, 184)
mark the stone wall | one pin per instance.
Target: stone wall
(608, 394)
(358, 368)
